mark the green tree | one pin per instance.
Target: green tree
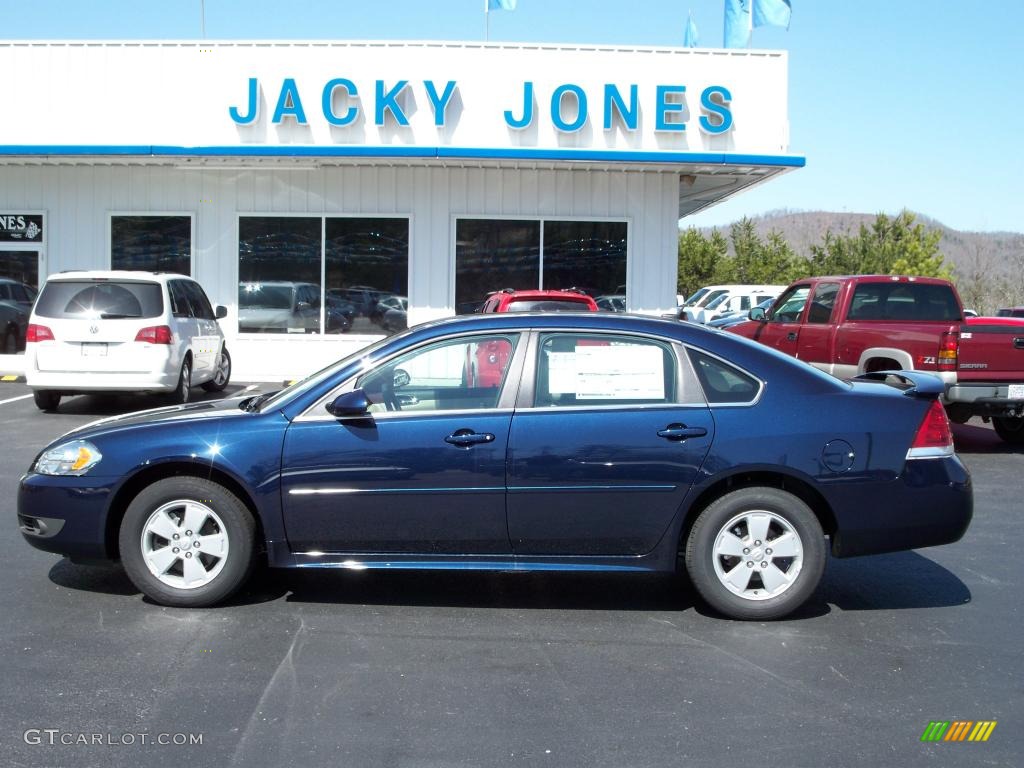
(891, 246)
(759, 261)
(699, 259)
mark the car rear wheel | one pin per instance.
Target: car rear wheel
(756, 553)
(183, 391)
(46, 400)
(1010, 429)
(187, 542)
(222, 376)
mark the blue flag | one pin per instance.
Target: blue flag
(772, 13)
(737, 23)
(501, 5)
(690, 38)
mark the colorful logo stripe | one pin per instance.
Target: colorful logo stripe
(958, 730)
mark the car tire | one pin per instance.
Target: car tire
(222, 376)
(1010, 429)
(10, 342)
(183, 391)
(46, 399)
(217, 568)
(744, 524)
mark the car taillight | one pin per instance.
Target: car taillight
(155, 334)
(948, 349)
(36, 333)
(934, 438)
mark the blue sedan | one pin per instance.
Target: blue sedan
(607, 443)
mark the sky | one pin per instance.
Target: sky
(895, 103)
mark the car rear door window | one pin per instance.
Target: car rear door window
(180, 304)
(723, 383)
(197, 298)
(575, 369)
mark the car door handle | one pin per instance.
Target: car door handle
(467, 437)
(677, 432)
(791, 336)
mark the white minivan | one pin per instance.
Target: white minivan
(123, 331)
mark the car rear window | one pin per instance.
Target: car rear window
(903, 301)
(100, 298)
(547, 305)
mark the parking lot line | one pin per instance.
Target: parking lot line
(13, 399)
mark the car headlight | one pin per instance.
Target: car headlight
(74, 458)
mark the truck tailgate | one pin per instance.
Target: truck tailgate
(991, 350)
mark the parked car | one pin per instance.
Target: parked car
(732, 301)
(282, 306)
(15, 306)
(703, 297)
(613, 443)
(735, 318)
(851, 325)
(388, 303)
(484, 367)
(613, 303)
(1010, 312)
(395, 320)
(512, 300)
(124, 332)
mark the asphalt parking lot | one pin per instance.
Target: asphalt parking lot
(406, 669)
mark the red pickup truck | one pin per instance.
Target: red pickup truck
(847, 326)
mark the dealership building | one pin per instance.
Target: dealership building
(315, 179)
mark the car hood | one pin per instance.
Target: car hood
(227, 408)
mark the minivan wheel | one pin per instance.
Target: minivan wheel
(181, 393)
(46, 400)
(756, 553)
(1010, 429)
(187, 542)
(222, 376)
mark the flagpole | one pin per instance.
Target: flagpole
(487, 21)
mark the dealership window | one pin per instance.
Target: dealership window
(21, 253)
(160, 243)
(493, 254)
(298, 274)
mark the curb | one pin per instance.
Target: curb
(12, 379)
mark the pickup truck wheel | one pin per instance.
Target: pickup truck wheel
(756, 553)
(46, 399)
(1010, 429)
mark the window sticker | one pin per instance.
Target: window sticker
(608, 372)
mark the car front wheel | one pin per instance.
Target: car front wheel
(187, 542)
(756, 553)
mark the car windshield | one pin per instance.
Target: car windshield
(547, 305)
(265, 296)
(100, 298)
(710, 296)
(714, 303)
(695, 297)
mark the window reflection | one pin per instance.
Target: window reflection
(367, 273)
(493, 254)
(365, 262)
(279, 274)
(151, 243)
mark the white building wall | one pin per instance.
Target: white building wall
(78, 200)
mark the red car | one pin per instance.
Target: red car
(489, 361)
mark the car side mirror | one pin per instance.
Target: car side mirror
(354, 403)
(220, 312)
(302, 306)
(758, 314)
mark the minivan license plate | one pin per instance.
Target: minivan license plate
(94, 349)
